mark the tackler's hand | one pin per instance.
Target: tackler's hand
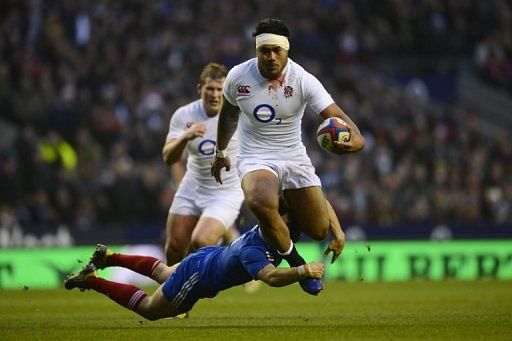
(311, 270)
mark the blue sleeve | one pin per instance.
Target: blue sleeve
(253, 259)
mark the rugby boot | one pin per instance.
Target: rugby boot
(78, 280)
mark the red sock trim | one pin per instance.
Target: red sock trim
(127, 295)
(155, 265)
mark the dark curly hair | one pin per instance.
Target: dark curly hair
(271, 25)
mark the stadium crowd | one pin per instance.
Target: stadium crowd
(89, 87)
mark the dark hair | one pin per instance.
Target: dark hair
(214, 71)
(270, 25)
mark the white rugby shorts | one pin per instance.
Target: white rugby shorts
(222, 204)
(294, 170)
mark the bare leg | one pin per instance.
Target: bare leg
(179, 231)
(231, 234)
(261, 190)
(207, 232)
(308, 207)
(156, 306)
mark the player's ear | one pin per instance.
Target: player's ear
(199, 89)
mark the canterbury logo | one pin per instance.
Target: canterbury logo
(243, 90)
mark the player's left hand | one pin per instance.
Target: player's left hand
(336, 247)
(354, 144)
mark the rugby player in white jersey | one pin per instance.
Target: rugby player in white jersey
(202, 210)
(268, 94)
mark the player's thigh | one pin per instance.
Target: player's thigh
(183, 214)
(179, 228)
(261, 188)
(208, 231)
(156, 306)
(308, 207)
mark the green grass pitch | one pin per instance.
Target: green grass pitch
(409, 310)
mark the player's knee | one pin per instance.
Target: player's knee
(318, 234)
(146, 310)
(320, 230)
(174, 248)
(261, 208)
(174, 242)
(203, 240)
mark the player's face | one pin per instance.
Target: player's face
(211, 95)
(271, 60)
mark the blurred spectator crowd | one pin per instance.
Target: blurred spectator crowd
(90, 85)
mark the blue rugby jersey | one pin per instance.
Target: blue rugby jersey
(236, 263)
(215, 268)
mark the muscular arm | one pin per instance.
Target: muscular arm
(334, 110)
(356, 142)
(228, 121)
(279, 277)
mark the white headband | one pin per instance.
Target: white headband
(272, 39)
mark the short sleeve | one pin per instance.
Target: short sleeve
(253, 260)
(315, 94)
(229, 87)
(176, 126)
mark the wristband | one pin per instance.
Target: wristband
(304, 271)
(301, 271)
(221, 154)
(308, 270)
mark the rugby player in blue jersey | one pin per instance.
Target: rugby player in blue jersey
(201, 274)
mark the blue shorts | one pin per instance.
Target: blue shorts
(182, 287)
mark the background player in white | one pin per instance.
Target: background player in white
(269, 94)
(202, 210)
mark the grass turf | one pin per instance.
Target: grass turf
(409, 310)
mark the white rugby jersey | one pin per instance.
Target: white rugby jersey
(270, 121)
(201, 149)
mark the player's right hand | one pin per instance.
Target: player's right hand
(217, 165)
(195, 130)
(354, 144)
(316, 270)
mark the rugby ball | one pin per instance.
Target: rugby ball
(330, 130)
